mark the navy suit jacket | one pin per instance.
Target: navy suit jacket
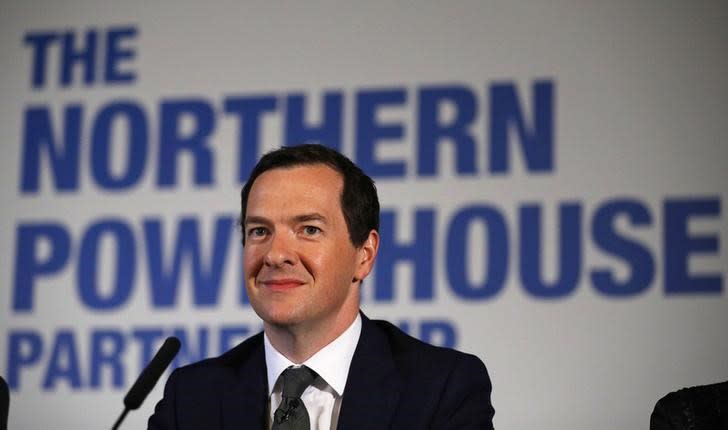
(395, 382)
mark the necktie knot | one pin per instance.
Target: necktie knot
(291, 413)
(296, 380)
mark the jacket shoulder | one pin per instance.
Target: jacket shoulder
(231, 359)
(445, 388)
(409, 349)
(194, 393)
(208, 371)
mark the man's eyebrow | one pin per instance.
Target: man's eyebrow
(255, 220)
(315, 216)
(310, 217)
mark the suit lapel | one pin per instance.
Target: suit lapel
(373, 386)
(245, 397)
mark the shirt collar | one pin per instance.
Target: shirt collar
(331, 362)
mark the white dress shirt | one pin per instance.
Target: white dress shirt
(323, 397)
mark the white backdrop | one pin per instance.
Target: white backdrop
(638, 106)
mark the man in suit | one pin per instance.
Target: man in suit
(309, 218)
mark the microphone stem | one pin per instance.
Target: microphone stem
(120, 419)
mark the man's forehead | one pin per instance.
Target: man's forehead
(318, 174)
(301, 187)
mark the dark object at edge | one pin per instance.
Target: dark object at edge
(704, 407)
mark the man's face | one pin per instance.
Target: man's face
(300, 265)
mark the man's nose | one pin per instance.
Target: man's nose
(281, 251)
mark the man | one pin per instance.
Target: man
(309, 218)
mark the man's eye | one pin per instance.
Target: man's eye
(311, 230)
(257, 232)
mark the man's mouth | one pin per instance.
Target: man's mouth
(283, 284)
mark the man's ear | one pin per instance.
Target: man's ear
(366, 254)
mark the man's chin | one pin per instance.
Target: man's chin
(280, 318)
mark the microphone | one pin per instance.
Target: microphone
(149, 376)
(4, 404)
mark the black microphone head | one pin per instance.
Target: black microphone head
(4, 404)
(149, 376)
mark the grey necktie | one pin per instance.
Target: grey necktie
(292, 414)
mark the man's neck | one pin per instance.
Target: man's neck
(299, 342)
